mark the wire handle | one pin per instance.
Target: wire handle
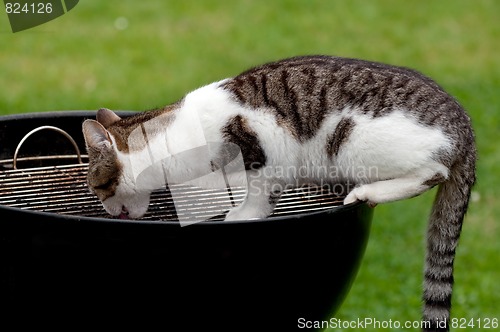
(59, 130)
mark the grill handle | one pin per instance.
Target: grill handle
(59, 130)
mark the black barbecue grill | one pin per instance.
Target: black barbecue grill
(59, 244)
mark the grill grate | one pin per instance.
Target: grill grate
(63, 190)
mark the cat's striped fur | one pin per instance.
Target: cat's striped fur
(312, 111)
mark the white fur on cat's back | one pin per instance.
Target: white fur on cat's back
(395, 144)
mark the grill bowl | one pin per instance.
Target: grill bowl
(224, 275)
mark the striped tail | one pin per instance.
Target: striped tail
(445, 225)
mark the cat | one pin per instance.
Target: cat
(306, 111)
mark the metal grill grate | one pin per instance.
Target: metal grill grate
(63, 190)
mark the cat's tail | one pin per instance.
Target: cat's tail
(445, 225)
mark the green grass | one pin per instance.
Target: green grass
(82, 61)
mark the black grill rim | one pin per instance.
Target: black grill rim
(306, 217)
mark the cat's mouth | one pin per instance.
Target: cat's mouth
(124, 213)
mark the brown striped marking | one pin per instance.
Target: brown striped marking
(238, 132)
(339, 137)
(302, 91)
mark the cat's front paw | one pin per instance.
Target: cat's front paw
(242, 213)
(359, 194)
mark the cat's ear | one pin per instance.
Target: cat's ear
(107, 117)
(96, 136)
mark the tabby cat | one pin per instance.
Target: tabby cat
(309, 111)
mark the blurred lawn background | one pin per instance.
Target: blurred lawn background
(137, 55)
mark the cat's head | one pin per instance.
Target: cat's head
(109, 175)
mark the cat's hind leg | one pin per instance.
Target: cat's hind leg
(395, 189)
